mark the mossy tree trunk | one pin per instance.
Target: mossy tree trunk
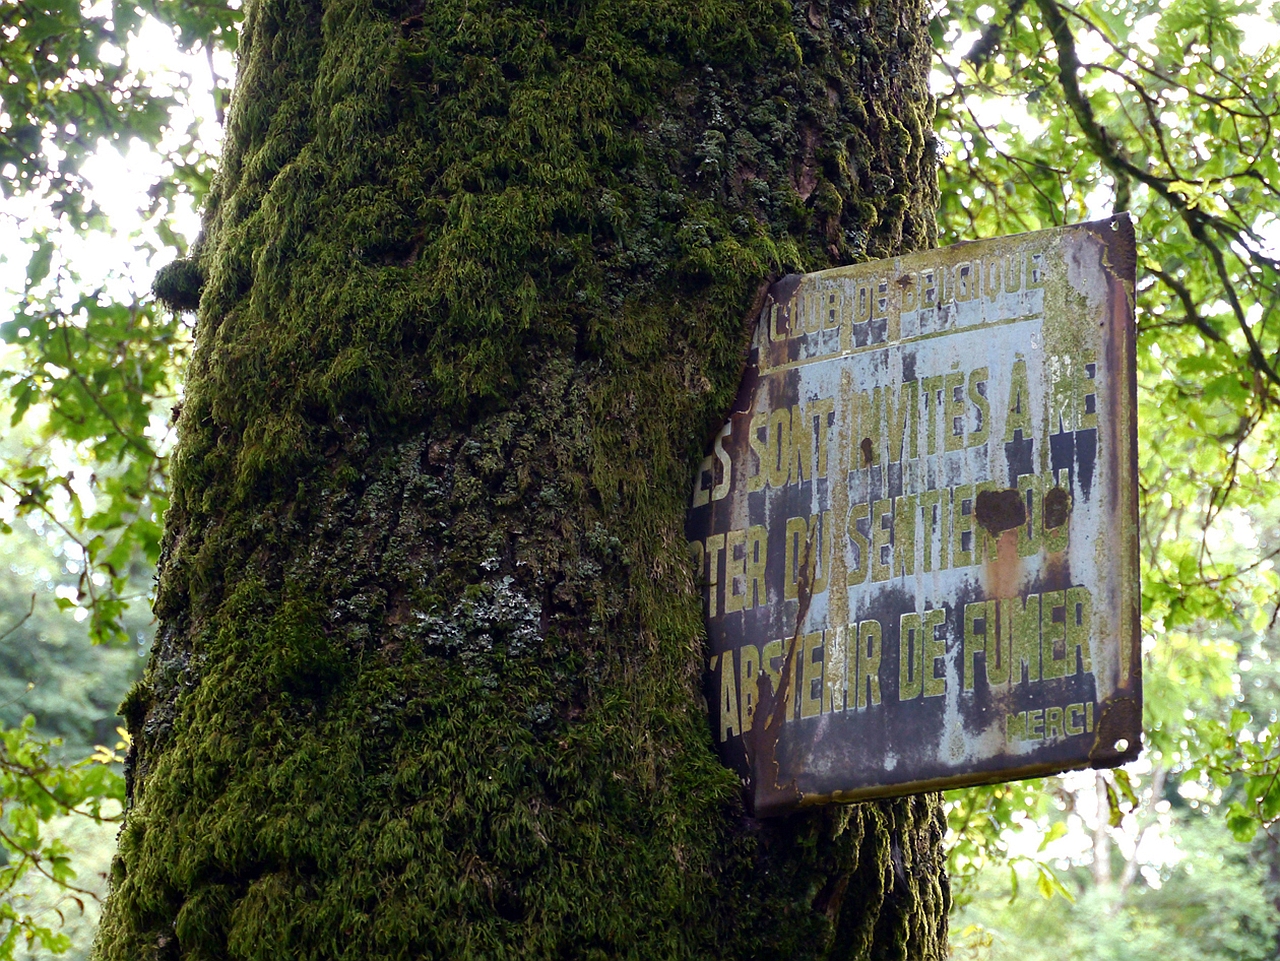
(475, 286)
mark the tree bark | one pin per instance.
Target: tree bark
(477, 287)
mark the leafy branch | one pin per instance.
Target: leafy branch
(1198, 221)
(34, 788)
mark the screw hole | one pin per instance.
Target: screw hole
(1122, 745)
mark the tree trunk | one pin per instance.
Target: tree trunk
(427, 679)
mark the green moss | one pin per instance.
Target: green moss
(178, 285)
(428, 678)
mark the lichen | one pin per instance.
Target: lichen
(427, 682)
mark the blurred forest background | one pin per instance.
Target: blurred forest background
(1048, 113)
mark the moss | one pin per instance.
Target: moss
(427, 682)
(178, 285)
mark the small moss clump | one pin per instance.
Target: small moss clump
(177, 285)
(475, 289)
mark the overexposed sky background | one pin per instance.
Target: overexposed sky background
(120, 175)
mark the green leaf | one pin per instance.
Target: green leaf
(1239, 719)
(1242, 825)
(41, 259)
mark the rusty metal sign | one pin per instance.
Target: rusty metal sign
(917, 533)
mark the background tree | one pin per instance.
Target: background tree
(1168, 110)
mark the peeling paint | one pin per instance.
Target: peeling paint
(916, 532)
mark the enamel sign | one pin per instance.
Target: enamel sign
(916, 536)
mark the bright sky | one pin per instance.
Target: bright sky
(120, 176)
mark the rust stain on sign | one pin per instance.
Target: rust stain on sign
(917, 534)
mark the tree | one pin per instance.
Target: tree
(471, 295)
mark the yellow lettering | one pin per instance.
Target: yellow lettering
(953, 412)
(1022, 621)
(1012, 270)
(1053, 624)
(701, 492)
(944, 530)
(757, 552)
(721, 490)
(1087, 406)
(997, 654)
(812, 311)
(811, 656)
(771, 666)
(910, 657)
(1019, 415)
(820, 544)
(776, 335)
(801, 446)
(834, 308)
(790, 664)
(715, 546)
(935, 648)
(822, 409)
(882, 299)
(881, 551)
(857, 572)
(985, 544)
(904, 535)
(978, 397)
(1073, 727)
(869, 640)
(902, 421)
(1034, 729)
(930, 287)
(907, 284)
(862, 305)
(962, 524)
(795, 549)
(735, 570)
(1035, 270)
(1053, 722)
(933, 528)
(991, 279)
(932, 387)
(869, 438)
(730, 720)
(759, 424)
(779, 448)
(748, 682)
(975, 640)
(1029, 533)
(1079, 628)
(1055, 538)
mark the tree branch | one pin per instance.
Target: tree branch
(986, 45)
(1130, 872)
(1112, 157)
